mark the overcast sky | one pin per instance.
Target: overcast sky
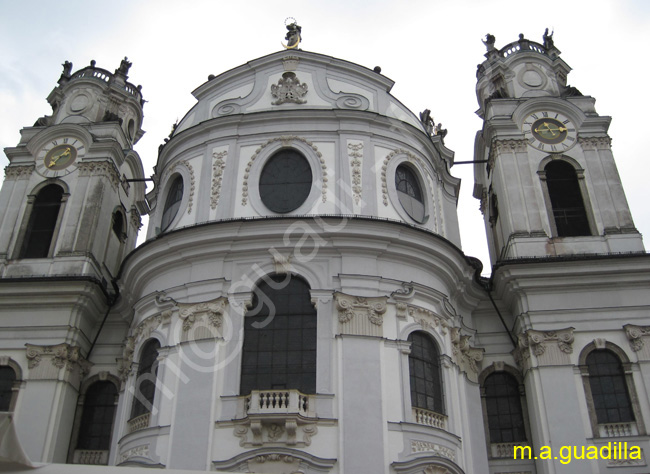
(429, 48)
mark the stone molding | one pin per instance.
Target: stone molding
(58, 362)
(202, 320)
(595, 143)
(289, 431)
(19, 172)
(547, 347)
(217, 176)
(360, 315)
(355, 154)
(638, 337)
(100, 168)
(464, 354)
(289, 90)
(286, 142)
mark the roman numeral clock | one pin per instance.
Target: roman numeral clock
(59, 157)
(549, 131)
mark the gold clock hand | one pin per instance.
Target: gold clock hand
(56, 158)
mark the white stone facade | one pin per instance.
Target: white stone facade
(86, 312)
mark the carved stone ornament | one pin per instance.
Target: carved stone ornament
(436, 470)
(281, 263)
(428, 319)
(505, 146)
(289, 431)
(288, 90)
(61, 361)
(18, 172)
(286, 142)
(595, 143)
(549, 347)
(208, 313)
(217, 176)
(355, 312)
(138, 451)
(635, 335)
(136, 220)
(419, 446)
(100, 168)
(355, 154)
(465, 355)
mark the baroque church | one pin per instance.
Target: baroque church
(301, 303)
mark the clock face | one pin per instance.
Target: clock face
(59, 157)
(549, 131)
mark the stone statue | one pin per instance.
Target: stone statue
(124, 67)
(548, 40)
(489, 42)
(427, 121)
(441, 132)
(67, 68)
(294, 35)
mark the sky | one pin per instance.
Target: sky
(430, 49)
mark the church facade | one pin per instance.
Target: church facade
(301, 303)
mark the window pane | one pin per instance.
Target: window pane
(409, 193)
(608, 387)
(566, 199)
(286, 181)
(97, 417)
(42, 222)
(145, 382)
(503, 405)
(425, 377)
(172, 203)
(7, 379)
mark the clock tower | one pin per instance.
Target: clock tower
(69, 214)
(545, 173)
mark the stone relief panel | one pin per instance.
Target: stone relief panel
(18, 172)
(202, 320)
(536, 348)
(289, 90)
(286, 431)
(360, 315)
(355, 153)
(217, 177)
(465, 355)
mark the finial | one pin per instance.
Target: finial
(92, 63)
(377, 69)
(294, 34)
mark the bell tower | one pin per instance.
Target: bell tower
(545, 172)
(70, 209)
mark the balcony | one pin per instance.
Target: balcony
(139, 422)
(429, 418)
(272, 402)
(617, 430)
(95, 457)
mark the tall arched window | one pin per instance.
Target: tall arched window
(566, 200)
(42, 222)
(424, 371)
(409, 193)
(505, 416)
(145, 384)
(119, 229)
(97, 418)
(172, 203)
(279, 350)
(608, 387)
(7, 379)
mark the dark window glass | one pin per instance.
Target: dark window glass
(424, 370)
(608, 387)
(42, 222)
(146, 382)
(173, 202)
(97, 416)
(279, 349)
(118, 225)
(7, 379)
(409, 193)
(505, 416)
(286, 181)
(566, 200)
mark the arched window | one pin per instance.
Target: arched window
(118, 225)
(42, 222)
(505, 416)
(97, 418)
(172, 203)
(409, 193)
(424, 371)
(608, 387)
(145, 384)
(566, 200)
(286, 181)
(7, 379)
(279, 350)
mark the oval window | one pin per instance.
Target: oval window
(173, 202)
(409, 193)
(286, 181)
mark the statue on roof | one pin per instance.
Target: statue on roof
(294, 34)
(489, 42)
(124, 67)
(548, 39)
(427, 121)
(67, 68)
